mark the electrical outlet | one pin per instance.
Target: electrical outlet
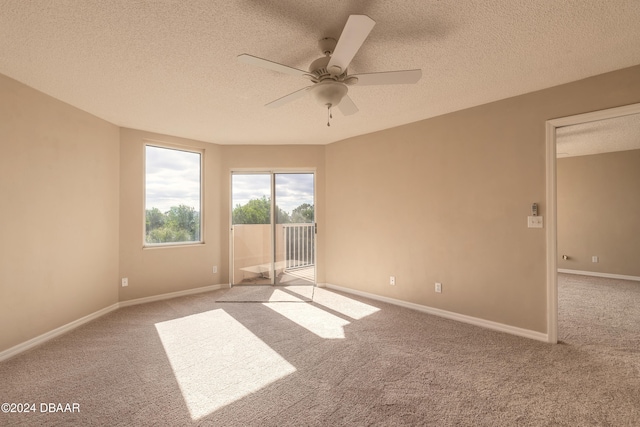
(594, 258)
(392, 280)
(125, 282)
(438, 287)
(215, 269)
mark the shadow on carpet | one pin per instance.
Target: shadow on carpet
(268, 293)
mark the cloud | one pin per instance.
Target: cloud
(247, 187)
(172, 178)
(292, 189)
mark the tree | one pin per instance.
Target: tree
(185, 218)
(302, 214)
(258, 211)
(182, 223)
(166, 235)
(283, 216)
(255, 211)
(179, 224)
(155, 219)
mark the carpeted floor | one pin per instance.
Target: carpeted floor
(268, 293)
(339, 360)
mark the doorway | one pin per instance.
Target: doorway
(552, 232)
(273, 228)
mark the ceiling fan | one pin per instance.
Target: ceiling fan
(329, 73)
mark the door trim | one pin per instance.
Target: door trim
(551, 187)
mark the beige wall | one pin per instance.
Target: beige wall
(159, 270)
(59, 213)
(446, 200)
(599, 212)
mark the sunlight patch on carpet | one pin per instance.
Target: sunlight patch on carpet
(216, 360)
(313, 319)
(343, 305)
(267, 293)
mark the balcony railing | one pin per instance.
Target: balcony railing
(299, 245)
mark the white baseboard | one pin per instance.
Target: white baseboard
(596, 274)
(40, 339)
(527, 333)
(15, 350)
(170, 295)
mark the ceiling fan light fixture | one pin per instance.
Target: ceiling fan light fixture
(329, 92)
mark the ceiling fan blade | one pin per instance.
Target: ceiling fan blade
(347, 107)
(389, 78)
(288, 98)
(353, 35)
(270, 65)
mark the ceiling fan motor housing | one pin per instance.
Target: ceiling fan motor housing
(319, 70)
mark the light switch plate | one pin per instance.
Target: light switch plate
(535, 222)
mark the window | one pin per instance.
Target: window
(172, 196)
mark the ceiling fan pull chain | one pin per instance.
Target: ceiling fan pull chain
(329, 115)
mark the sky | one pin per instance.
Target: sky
(292, 189)
(173, 178)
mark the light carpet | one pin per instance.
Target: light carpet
(267, 293)
(340, 360)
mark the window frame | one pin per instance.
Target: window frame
(175, 147)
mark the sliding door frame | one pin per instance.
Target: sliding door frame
(273, 172)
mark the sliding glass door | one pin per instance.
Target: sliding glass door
(295, 229)
(273, 228)
(251, 229)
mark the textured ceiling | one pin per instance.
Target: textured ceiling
(602, 136)
(170, 66)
